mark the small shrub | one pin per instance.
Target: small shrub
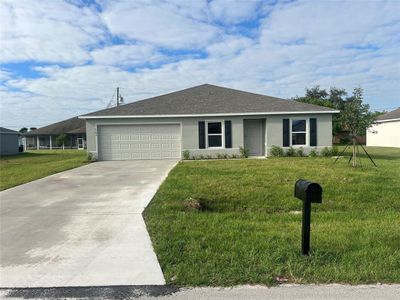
(234, 156)
(335, 151)
(313, 153)
(186, 154)
(291, 152)
(202, 157)
(276, 151)
(225, 155)
(300, 152)
(244, 153)
(90, 157)
(326, 152)
(61, 140)
(209, 156)
(220, 156)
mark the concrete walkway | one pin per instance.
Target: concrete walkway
(81, 227)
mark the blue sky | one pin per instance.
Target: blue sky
(64, 58)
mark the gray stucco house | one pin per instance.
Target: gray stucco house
(9, 141)
(206, 120)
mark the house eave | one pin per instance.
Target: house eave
(388, 120)
(209, 115)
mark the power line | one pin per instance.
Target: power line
(120, 99)
(110, 102)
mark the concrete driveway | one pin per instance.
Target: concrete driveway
(81, 227)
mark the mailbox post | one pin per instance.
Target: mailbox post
(308, 192)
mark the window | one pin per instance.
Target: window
(299, 132)
(214, 134)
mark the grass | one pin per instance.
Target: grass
(247, 229)
(32, 165)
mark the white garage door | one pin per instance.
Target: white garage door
(126, 142)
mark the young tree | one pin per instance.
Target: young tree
(61, 140)
(23, 130)
(356, 118)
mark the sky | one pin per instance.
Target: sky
(61, 59)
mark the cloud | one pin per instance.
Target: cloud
(158, 23)
(5, 75)
(151, 48)
(331, 23)
(230, 12)
(127, 55)
(231, 45)
(47, 31)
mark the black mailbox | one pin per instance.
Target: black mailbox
(308, 191)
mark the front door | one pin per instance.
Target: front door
(253, 136)
(81, 144)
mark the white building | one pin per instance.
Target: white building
(386, 131)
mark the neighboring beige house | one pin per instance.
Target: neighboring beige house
(206, 120)
(386, 131)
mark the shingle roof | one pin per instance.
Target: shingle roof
(394, 114)
(72, 125)
(208, 99)
(78, 130)
(8, 131)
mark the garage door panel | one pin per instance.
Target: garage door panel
(125, 146)
(125, 142)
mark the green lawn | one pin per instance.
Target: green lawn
(247, 230)
(28, 166)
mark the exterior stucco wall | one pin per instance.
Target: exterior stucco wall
(9, 144)
(274, 136)
(189, 126)
(385, 134)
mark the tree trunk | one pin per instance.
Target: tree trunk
(354, 152)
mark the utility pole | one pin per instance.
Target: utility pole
(117, 96)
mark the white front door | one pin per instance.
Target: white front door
(127, 142)
(81, 144)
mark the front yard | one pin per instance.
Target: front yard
(237, 222)
(32, 165)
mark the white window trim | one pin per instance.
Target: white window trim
(306, 132)
(222, 134)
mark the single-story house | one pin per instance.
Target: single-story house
(9, 141)
(386, 131)
(45, 137)
(206, 120)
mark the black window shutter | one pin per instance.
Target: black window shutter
(286, 137)
(313, 132)
(202, 135)
(228, 134)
